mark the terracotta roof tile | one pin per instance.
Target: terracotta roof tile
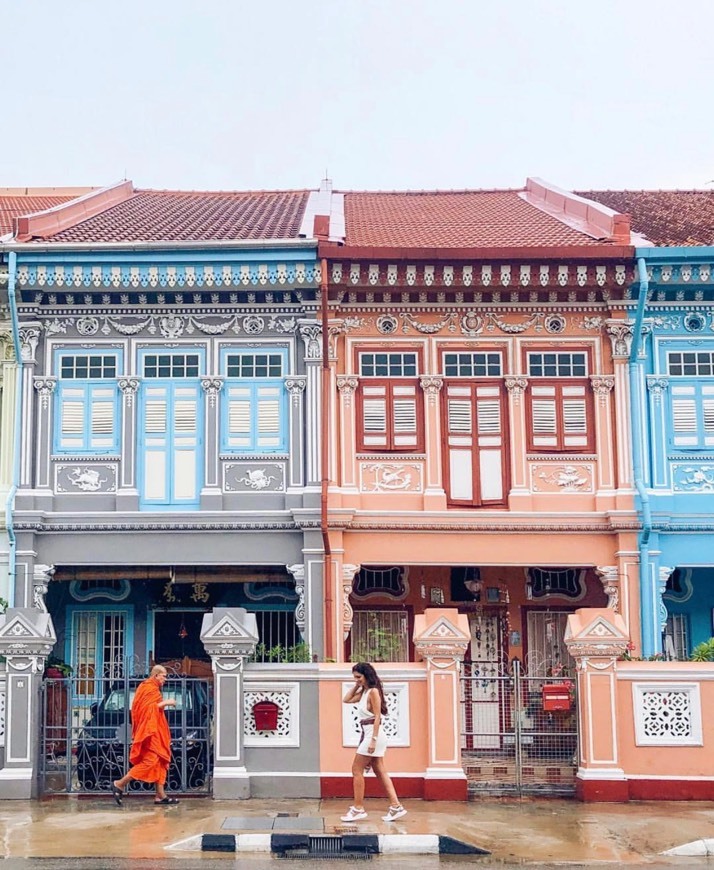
(454, 219)
(665, 217)
(12, 206)
(166, 215)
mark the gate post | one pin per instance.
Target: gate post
(27, 636)
(229, 635)
(441, 638)
(596, 638)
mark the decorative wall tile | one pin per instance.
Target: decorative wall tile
(667, 714)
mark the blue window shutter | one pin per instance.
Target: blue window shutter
(269, 417)
(71, 413)
(156, 460)
(186, 437)
(102, 413)
(255, 416)
(87, 418)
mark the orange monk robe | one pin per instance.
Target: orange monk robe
(150, 754)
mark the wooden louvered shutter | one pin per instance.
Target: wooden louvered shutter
(684, 415)
(575, 415)
(102, 424)
(270, 423)
(405, 423)
(155, 443)
(374, 432)
(490, 442)
(460, 442)
(239, 417)
(184, 472)
(544, 416)
(72, 400)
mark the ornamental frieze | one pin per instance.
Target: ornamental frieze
(563, 477)
(85, 479)
(690, 477)
(252, 476)
(169, 276)
(391, 477)
(503, 275)
(169, 325)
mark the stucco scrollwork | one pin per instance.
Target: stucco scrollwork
(311, 334)
(128, 387)
(29, 339)
(349, 572)
(347, 386)
(212, 387)
(665, 572)
(41, 577)
(298, 572)
(610, 578)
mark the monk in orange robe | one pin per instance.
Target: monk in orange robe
(150, 754)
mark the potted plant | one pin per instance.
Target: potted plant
(56, 669)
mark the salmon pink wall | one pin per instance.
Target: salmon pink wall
(336, 758)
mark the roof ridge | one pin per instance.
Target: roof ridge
(216, 192)
(418, 191)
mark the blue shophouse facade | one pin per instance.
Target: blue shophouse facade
(672, 416)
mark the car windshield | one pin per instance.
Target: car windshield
(115, 700)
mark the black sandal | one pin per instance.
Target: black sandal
(118, 794)
(165, 801)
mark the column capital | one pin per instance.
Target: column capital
(295, 385)
(29, 339)
(602, 386)
(620, 333)
(212, 387)
(657, 386)
(441, 636)
(349, 572)
(311, 334)
(516, 387)
(298, 572)
(347, 385)
(45, 387)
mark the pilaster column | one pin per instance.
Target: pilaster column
(298, 572)
(610, 578)
(657, 387)
(595, 638)
(295, 385)
(311, 334)
(620, 333)
(127, 492)
(349, 572)
(45, 388)
(602, 386)
(8, 390)
(441, 638)
(211, 493)
(432, 384)
(346, 445)
(229, 635)
(29, 339)
(520, 485)
(27, 636)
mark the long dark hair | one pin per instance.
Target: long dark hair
(372, 680)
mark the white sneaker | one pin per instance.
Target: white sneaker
(354, 815)
(394, 814)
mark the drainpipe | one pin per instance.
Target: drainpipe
(324, 460)
(651, 641)
(10, 502)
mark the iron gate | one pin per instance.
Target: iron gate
(85, 733)
(518, 733)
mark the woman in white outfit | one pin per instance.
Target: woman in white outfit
(368, 694)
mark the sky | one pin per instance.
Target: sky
(397, 94)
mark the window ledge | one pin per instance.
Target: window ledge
(261, 457)
(558, 457)
(76, 457)
(391, 456)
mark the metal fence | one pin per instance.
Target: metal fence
(85, 733)
(519, 733)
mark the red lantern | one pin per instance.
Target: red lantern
(265, 716)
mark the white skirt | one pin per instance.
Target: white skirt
(380, 746)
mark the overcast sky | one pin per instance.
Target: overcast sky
(246, 94)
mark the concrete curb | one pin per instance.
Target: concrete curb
(696, 848)
(387, 844)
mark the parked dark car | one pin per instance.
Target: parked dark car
(104, 741)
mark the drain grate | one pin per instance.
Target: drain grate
(333, 848)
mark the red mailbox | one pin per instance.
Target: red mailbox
(265, 716)
(556, 697)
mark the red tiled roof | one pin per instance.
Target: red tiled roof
(665, 217)
(454, 219)
(168, 215)
(16, 205)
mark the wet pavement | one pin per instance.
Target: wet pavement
(516, 832)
